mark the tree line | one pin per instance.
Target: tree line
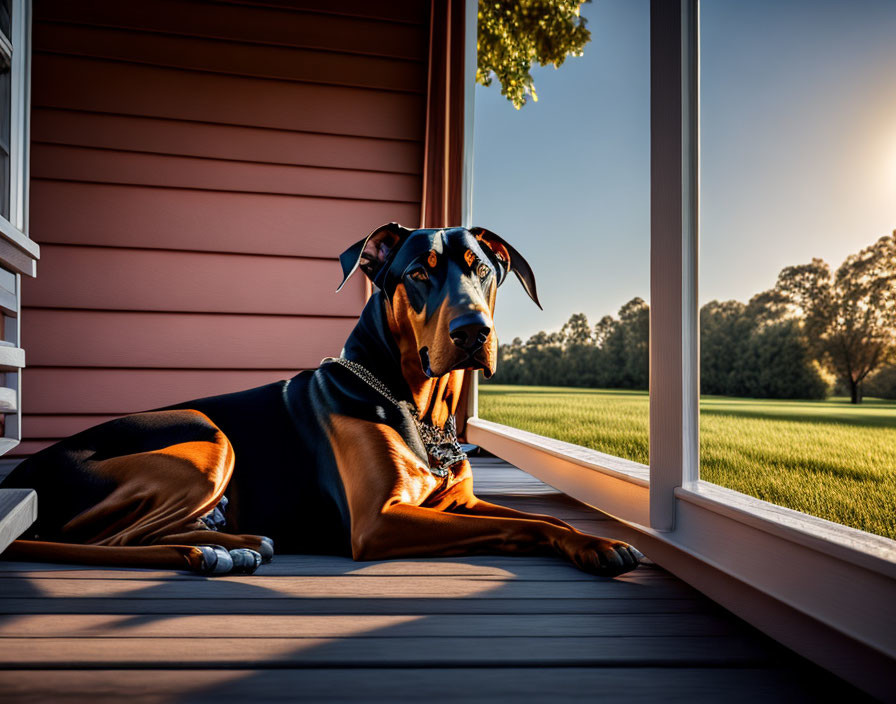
(817, 331)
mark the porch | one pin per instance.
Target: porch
(312, 628)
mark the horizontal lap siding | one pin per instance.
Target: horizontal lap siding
(208, 221)
(191, 282)
(196, 170)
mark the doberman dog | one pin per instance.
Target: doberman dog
(358, 457)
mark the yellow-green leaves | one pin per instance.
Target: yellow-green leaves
(514, 33)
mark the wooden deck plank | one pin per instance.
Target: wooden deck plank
(424, 606)
(479, 685)
(372, 651)
(287, 565)
(356, 587)
(387, 626)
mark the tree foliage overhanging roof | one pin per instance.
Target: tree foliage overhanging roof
(514, 33)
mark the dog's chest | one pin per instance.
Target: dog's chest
(414, 483)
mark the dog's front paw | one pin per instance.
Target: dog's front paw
(215, 560)
(266, 549)
(600, 556)
(245, 561)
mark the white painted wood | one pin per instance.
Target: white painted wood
(616, 486)
(853, 597)
(674, 372)
(852, 546)
(8, 304)
(6, 444)
(7, 281)
(11, 358)
(472, 410)
(18, 239)
(690, 233)
(18, 510)
(12, 257)
(9, 402)
(19, 252)
(471, 10)
(26, 133)
(12, 379)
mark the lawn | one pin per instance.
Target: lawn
(828, 458)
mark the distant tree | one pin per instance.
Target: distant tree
(724, 327)
(511, 369)
(634, 324)
(514, 33)
(752, 350)
(777, 364)
(603, 329)
(578, 353)
(882, 383)
(577, 331)
(849, 317)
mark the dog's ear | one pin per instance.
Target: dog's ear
(372, 253)
(508, 259)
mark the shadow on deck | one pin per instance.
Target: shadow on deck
(308, 628)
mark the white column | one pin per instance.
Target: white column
(674, 317)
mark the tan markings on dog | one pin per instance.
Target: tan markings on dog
(159, 492)
(444, 397)
(499, 249)
(412, 332)
(469, 257)
(436, 398)
(432, 259)
(175, 557)
(454, 493)
(377, 469)
(489, 353)
(399, 509)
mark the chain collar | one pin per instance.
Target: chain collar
(442, 448)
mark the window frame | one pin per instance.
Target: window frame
(18, 253)
(793, 575)
(18, 256)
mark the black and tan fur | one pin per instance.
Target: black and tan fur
(322, 462)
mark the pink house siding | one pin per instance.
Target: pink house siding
(196, 169)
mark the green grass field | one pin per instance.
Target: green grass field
(827, 458)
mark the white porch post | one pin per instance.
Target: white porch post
(674, 317)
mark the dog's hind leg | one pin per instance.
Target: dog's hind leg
(176, 472)
(205, 559)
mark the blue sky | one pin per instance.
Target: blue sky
(798, 120)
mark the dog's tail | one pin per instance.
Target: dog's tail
(205, 559)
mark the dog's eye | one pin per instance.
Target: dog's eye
(419, 275)
(483, 270)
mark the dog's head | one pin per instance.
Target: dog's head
(440, 286)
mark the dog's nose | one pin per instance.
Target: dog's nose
(469, 331)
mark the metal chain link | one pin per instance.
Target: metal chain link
(442, 448)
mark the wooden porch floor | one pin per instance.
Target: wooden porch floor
(328, 629)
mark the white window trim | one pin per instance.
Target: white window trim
(18, 255)
(821, 588)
